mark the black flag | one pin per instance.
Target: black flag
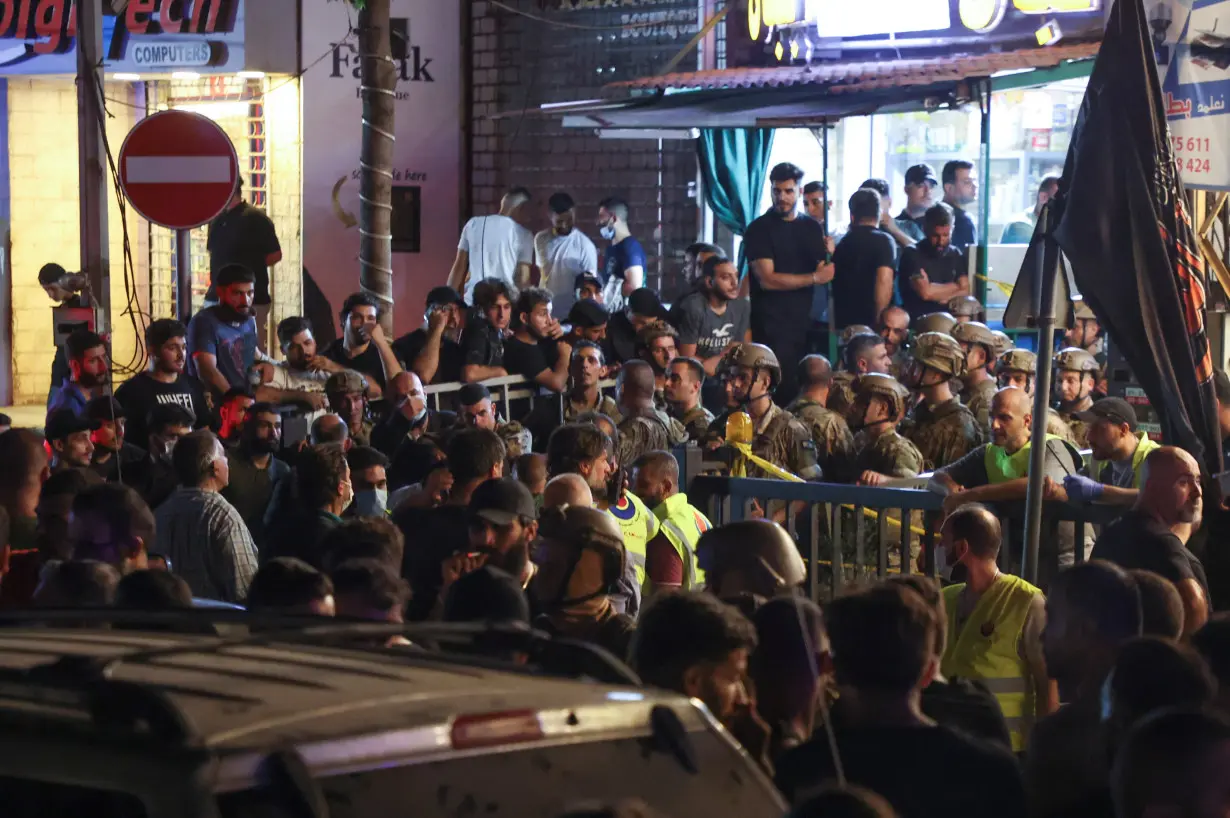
(1126, 230)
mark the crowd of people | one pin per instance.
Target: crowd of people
(323, 484)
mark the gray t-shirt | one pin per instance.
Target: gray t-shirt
(712, 333)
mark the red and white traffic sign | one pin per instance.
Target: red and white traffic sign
(178, 169)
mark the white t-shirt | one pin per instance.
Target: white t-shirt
(496, 245)
(289, 380)
(562, 259)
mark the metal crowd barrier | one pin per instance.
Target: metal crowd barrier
(503, 392)
(851, 534)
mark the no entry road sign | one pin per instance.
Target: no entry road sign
(178, 169)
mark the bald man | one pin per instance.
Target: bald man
(330, 428)
(670, 556)
(894, 328)
(1153, 535)
(998, 472)
(644, 427)
(567, 490)
(834, 442)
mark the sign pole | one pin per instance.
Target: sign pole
(92, 174)
(832, 307)
(1044, 298)
(183, 275)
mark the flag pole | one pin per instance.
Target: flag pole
(1044, 298)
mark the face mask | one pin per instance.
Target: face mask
(347, 495)
(371, 503)
(942, 566)
(607, 231)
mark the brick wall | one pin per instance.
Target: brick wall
(519, 63)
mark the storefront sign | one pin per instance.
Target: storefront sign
(1192, 46)
(171, 55)
(426, 156)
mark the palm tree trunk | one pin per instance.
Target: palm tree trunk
(378, 90)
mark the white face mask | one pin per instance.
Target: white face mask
(607, 231)
(942, 566)
(372, 503)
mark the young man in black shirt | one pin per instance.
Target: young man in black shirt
(1145, 538)
(245, 235)
(537, 350)
(433, 351)
(163, 383)
(363, 346)
(865, 261)
(789, 256)
(960, 191)
(932, 271)
(483, 344)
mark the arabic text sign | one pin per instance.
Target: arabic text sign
(1192, 46)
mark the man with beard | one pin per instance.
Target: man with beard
(255, 472)
(1076, 373)
(931, 272)
(433, 351)
(300, 378)
(656, 345)
(864, 353)
(671, 559)
(978, 386)
(894, 328)
(222, 339)
(113, 455)
(537, 350)
(685, 380)
(363, 347)
(347, 392)
(1152, 536)
(960, 191)
(503, 525)
(164, 383)
(562, 252)
(644, 426)
(87, 364)
(940, 426)
(713, 319)
(589, 320)
(881, 454)
(483, 344)
(233, 414)
(920, 185)
(694, 258)
(154, 478)
(68, 435)
(788, 256)
(1017, 367)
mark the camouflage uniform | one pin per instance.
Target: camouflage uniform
(786, 443)
(1083, 362)
(978, 400)
(1078, 428)
(647, 431)
(606, 405)
(696, 421)
(1057, 426)
(517, 439)
(363, 435)
(841, 393)
(943, 433)
(941, 322)
(889, 454)
(834, 443)
(1022, 360)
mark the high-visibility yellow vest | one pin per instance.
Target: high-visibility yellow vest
(682, 524)
(1002, 467)
(987, 647)
(639, 526)
(1144, 445)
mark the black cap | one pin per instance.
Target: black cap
(583, 278)
(1116, 410)
(5, 420)
(63, 422)
(441, 296)
(917, 174)
(502, 501)
(587, 314)
(472, 393)
(489, 594)
(646, 302)
(104, 409)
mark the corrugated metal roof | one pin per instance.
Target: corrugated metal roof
(867, 75)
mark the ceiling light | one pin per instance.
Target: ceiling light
(185, 75)
(126, 77)
(251, 75)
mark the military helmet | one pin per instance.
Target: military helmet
(1017, 360)
(854, 329)
(964, 306)
(750, 556)
(975, 332)
(345, 382)
(1075, 359)
(933, 322)
(940, 352)
(752, 356)
(1002, 342)
(877, 385)
(1082, 310)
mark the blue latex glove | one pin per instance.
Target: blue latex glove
(1082, 489)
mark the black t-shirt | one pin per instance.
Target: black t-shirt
(528, 360)
(1139, 541)
(942, 267)
(243, 235)
(408, 347)
(796, 248)
(141, 393)
(432, 535)
(964, 233)
(482, 344)
(620, 344)
(967, 706)
(922, 771)
(859, 254)
(367, 362)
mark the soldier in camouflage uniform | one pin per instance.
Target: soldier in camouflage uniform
(347, 394)
(941, 322)
(882, 454)
(894, 328)
(685, 377)
(1076, 375)
(1017, 367)
(645, 428)
(834, 442)
(941, 427)
(1002, 342)
(965, 308)
(751, 373)
(979, 385)
(864, 351)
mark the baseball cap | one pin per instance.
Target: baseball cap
(502, 501)
(441, 296)
(587, 314)
(471, 393)
(646, 302)
(104, 409)
(345, 381)
(63, 422)
(917, 174)
(1116, 410)
(488, 594)
(586, 278)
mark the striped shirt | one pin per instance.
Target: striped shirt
(207, 542)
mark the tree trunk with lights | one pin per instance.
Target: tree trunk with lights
(378, 90)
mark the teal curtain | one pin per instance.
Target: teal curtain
(735, 162)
